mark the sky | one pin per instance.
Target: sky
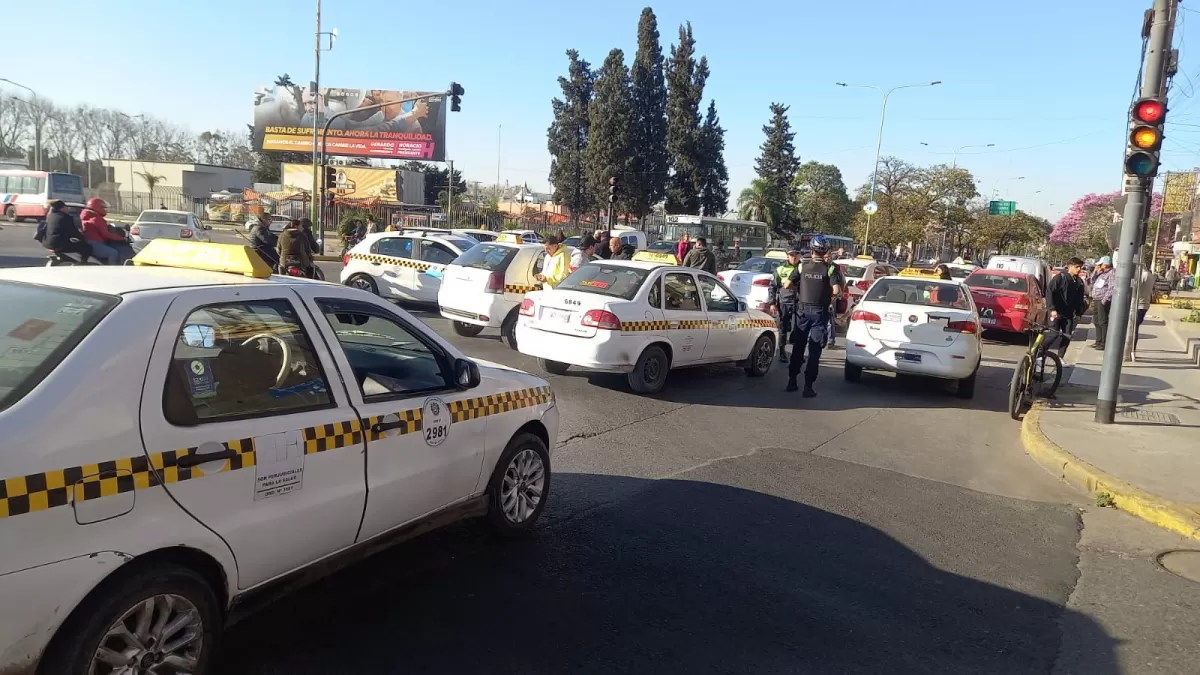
(1049, 84)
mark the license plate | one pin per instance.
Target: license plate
(911, 358)
(987, 321)
(891, 316)
(556, 315)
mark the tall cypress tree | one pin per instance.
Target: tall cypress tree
(714, 177)
(685, 89)
(777, 165)
(650, 162)
(610, 134)
(567, 138)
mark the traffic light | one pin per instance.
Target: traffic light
(456, 92)
(612, 190)
(330, 177)
(1147, 117)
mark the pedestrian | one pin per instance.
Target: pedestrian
(1067, 302)
(724, 256)
(701, 257)
(602, 244)
(372, 226)
(831, 326)
(619, 250)
(557, 263)
(1171, 276)
(682, 248)
(782, 300)
(841, 254)
(943, 271)
(816, 284)
(1102, 292)
(584, 253)
(1145, 295)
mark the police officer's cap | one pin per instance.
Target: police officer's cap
(794, 249)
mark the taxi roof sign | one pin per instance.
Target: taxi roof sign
(920, 272)
(509, 238)
(776, 254)
(195, 255)
(661, 257)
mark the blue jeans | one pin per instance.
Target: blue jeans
(112, 253)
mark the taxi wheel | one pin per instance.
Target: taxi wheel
(163, 617)
(762, 356)
(519, 486)
(649, 374)
(553, 367)
(508, 330)
(363, 282)
(467, 329)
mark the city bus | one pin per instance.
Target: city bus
(28, 194)
(834, 241)
(751, 235)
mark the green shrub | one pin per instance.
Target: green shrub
(1182, 303)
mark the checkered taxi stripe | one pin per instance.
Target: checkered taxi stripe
(389, 260)
(639, 326)
(41, 491)
(518, 288)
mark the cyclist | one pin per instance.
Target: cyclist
(1065, 294)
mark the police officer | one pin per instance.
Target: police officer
(816, 283)
(783, 300)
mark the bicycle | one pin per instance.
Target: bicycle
(1031, 372)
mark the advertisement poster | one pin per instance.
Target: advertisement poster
(357, 182)
(284, 118)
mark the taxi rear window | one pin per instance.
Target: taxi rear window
(916, 291)
(38, 328)
(760, 265)
(490, 257)
(1000, 281)
(611, 280)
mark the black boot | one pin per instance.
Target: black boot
(791, 385)
(808, 392)
(783, 358)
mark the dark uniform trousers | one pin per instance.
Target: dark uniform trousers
(809, 324)
(785, 320)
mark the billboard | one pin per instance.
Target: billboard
(1177, 192)
(284, 116)
(361, 182)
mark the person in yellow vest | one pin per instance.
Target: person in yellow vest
(557, 264)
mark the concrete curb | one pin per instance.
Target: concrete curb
(1191, 343)
(1165, 513)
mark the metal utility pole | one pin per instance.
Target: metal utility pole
(449, 191)
(1154, 68)
(499, 140)
(317, 196)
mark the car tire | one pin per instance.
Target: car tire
(966, 386)
(118, 598)
(764, 345)
(553, 367)
(508, 330)
(466, 329)
(852, 372)
(10, 214)
(363, 282)
(522, 474)
(649, 374)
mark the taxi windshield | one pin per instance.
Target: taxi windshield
(760, 265)
(39, 327)
(617, 281)
(917, 291)
(490, 257)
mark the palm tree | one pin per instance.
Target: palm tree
(758, 202)
(151, 182)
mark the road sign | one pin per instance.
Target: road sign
(870, 207)
(1002, 208)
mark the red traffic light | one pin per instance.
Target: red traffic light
(612, 181)
(1149, 111)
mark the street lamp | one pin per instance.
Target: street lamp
(879, 142)
(960, 148)
(37, 140)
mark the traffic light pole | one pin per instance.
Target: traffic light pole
(1153, 73)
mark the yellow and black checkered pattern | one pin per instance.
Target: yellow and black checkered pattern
(389, 260)
(640, 326)
(756, 323)
(41, 491)
(518, 288)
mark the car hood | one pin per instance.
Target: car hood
(506, 377)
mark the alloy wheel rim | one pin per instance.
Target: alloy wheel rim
(361, 284)
(523, 486)
(765, 354)
(161, 635)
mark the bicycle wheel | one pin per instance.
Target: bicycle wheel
(1048, 372)
(1017, 388)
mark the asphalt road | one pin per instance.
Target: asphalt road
(726, 526)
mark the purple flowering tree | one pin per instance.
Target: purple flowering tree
(1086, 222)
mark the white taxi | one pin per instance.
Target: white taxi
(918, 326)
(861, 272)
(751, 281)
(644, 318)
(190, 435)
(394, 264)
(483, 287)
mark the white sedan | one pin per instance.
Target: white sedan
(751, 281)
(183, 434)
(643, 319)
(163, 224)
(395, 264)
(917, 326)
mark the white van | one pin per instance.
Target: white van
(1017, 263)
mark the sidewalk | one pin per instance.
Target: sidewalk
(1149, 460)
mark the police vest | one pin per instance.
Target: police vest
(815, 288)
(787, 295)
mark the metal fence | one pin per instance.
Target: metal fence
(127, 202)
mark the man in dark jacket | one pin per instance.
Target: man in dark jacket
(264, 241)
(701, 257)
(294, 249)
(62, 234)
(1065, 297)
(620, 251)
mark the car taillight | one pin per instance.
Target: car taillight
(135, 230)
(495, 283)
(762, 282)
(960, 327)
(862, 284)
(527, 307)
(185, 233)
(346, 259)
(1023, 303)
(863, 315)
(599, 318)
(723, 276)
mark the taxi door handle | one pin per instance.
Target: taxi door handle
(376, 264)
(205, 457)
(380, 427)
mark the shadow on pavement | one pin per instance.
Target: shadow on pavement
(683, 577)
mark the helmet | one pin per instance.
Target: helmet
(818, 245)
(98, 205)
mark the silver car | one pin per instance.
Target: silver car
(163, 224)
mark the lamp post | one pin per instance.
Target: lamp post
(879, 142)
(316, 204)
(37, 140)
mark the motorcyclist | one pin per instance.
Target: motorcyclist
(62, 234)
(816, 283)
(783, 300)
(264, 240)
(294, 249)
(107, 245)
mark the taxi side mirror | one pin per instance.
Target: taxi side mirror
(742, 306)
(466, 374)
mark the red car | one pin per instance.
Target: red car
(1007, 300)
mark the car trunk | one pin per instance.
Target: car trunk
(999, 302)
(741, 283)
(901, 325)
(562, 312)
(463, 281)
(159, 231)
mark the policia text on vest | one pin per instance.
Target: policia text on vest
(815, 283)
